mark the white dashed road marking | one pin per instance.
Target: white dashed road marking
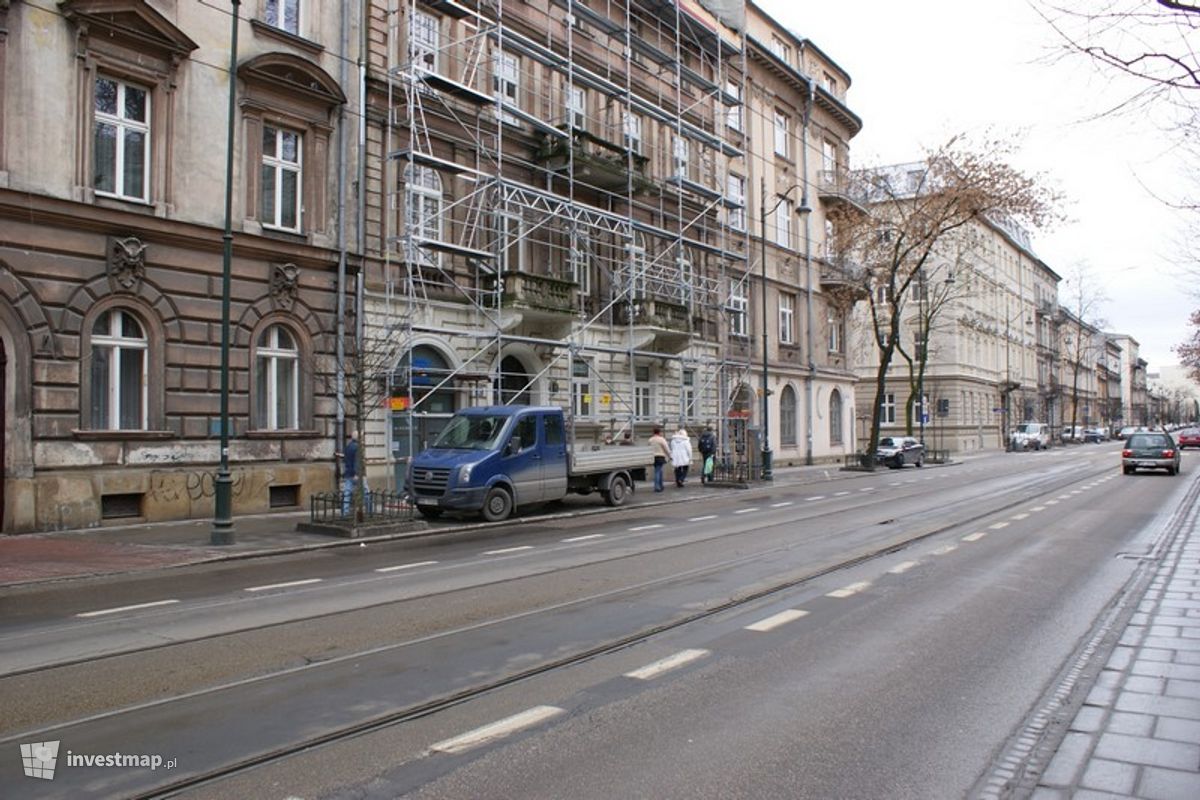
(645, 527)
(119, 609)
(998, 526)
(702, 519)
(781, 505)
(1020, 516)
(666, 664)
(745, 510)
(497, 730)
(1038, 508)
(287, 585)
(852, 589)
(944, 549)
(585, 538)
(774, 621)
(974, 537)
(815, 497)
(406, 566)
(504, 550)
(903, 566)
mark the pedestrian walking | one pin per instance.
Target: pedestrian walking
(349, 456)
(661, 452)
(681, 455)
(708, 454)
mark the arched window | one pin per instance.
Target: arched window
(118, 372)
(835, 417)
(787, 416)
(277, 380)
(512, 388)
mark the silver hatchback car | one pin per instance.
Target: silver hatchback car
(1145, 450)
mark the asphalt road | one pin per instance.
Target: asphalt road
(907, 622)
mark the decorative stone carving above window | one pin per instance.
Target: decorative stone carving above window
(126, 263)
(285, 285)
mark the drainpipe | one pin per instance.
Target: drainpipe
(806, 209)
(340, 321)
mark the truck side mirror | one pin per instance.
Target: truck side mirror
(510, 447)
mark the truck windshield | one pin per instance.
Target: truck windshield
(471, 432)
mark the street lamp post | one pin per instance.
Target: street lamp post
(222, 528)
(768, 472)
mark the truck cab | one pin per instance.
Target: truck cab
(492, 460)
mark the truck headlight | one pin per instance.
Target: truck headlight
(464, 473)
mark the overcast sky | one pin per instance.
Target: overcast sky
(926, 69)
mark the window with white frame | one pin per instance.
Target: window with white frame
(787, 417)
(633, 132)
(783, 223)
(739, 306)
(506, 83)
(829, 158)
(637, 271)
(423, 202)
(782, 123)
(735, 195)
(121, 140)
(577, 107)
(510, 246)
(281, 171)
(283, 14)
(580, 256)
(690, 409)
(787, 318)
(781, 49)
(681, 155)
(837, 329)
(120, 356)
(887, 409)
(643, 393)
(277, 380)
(581, 388)
(733, 114)
(424, 41)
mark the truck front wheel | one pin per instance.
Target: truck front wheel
(497, 505)
(618, 490)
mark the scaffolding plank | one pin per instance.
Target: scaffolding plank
(592, 17)
(537, 123)
(689, 185)
(449, 8)
(428, 160)
(451, 87)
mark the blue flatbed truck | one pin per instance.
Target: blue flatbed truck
(495, 459)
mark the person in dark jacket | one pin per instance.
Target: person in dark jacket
(707, 445)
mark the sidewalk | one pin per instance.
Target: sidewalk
(38, 557)
(1138, 732)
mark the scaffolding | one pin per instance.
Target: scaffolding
(560, 227)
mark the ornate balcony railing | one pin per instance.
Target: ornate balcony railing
(594, 161)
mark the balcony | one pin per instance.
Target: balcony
(656, 324)
(537, 299)
(837, 187)
(594, 161)
(843, 280)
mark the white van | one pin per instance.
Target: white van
(1030, 436)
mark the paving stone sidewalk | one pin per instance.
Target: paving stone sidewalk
(1138, 732)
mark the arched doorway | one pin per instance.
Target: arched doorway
(513, 387)
(422, 401)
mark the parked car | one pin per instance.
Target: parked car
(1128, 431)
(896, 451)
(1072, 433)
(1030, 436)
(1148, 450)
(1188, 437)
(1095, 435)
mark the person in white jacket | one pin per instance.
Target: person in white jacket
(681, 456)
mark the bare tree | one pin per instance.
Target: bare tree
(1145, 41)
(1082, 341)
(910, 214)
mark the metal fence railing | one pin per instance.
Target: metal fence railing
(373, 506)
